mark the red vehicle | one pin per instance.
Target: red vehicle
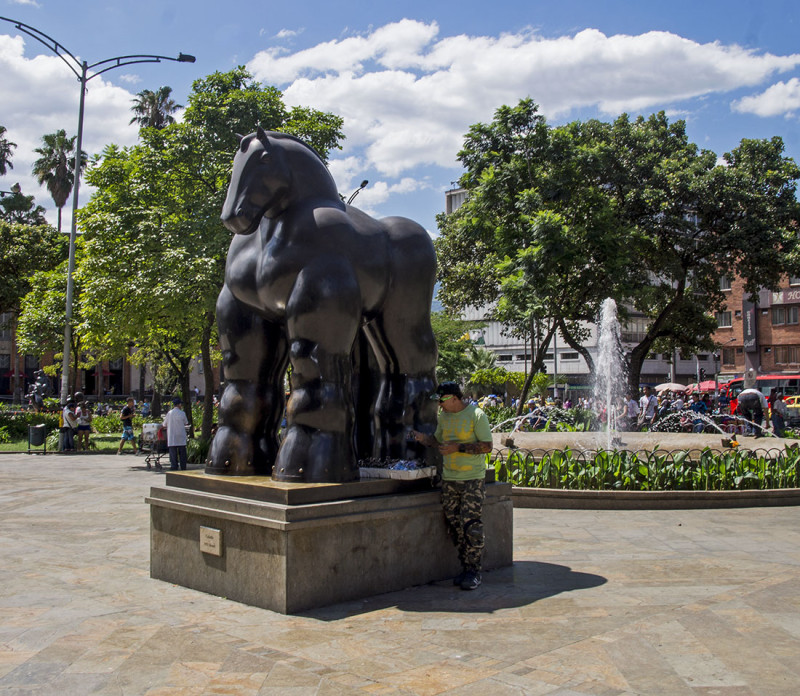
(788, 384)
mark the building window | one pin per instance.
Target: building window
(793, 280)
(31, 362)
(115, 364)
(5, 326)
(504, 357)
(5, 361)
(548, 356)
(635, 330)
(785, 355)
(570, 356)
(523, 356)
(724, 320)
(784, 315)
(728, 356)
(724, 283)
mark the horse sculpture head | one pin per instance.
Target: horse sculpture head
(271, 171)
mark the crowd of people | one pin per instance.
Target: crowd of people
(75, 425)
(693, 412)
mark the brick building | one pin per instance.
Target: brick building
(761, 334)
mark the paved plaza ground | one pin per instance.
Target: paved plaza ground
(703, 603)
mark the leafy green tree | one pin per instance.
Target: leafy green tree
(455, 362)
(17, 208)
(558, 219)
(6, 146)
(523, 243)
(42, 317)
(24, 251)
(154, 109)
(55, 167)
(155, 247)
(496, 380)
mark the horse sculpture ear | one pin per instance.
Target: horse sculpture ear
(262, 137)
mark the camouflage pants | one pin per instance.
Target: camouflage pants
(462, 502)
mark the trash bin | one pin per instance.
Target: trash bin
(37, 436)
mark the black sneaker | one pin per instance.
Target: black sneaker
(458, 579)
(471, 581)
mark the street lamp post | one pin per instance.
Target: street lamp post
(81, 70)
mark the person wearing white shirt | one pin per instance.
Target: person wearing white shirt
(648, 407)
(175, 422)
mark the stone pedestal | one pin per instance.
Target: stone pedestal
(292, 547)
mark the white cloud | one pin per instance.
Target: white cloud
(286, 33)
(408, 96)
(780, 98)
(39, 96)
(30, 3)
(130, 79)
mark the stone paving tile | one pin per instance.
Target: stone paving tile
(623, 603)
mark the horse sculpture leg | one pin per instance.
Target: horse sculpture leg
(254, 357)
(322, 318)
(405, 346)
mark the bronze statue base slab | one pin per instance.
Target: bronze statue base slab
(266, 490)
(294, 547)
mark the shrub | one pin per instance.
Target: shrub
(648, 471)
(197, 450)
(16, 422)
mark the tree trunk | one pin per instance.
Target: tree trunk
(208, 378)
(15, 365)
(536, 365)
(186, 393)
(75, 361)
(572, 343)
(155, 407)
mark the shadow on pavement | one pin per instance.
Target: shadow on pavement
(519, 585)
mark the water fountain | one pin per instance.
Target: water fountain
(609, 378)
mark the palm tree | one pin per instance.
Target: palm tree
(56, 167)
(154, 109)
(5, 151)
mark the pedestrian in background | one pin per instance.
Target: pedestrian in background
(779, 412)
(176, 423)
(126, 416)
(70, 426)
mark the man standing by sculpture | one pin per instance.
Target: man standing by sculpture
(463, 436)
(176, 422)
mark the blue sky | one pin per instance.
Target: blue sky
(410, 78)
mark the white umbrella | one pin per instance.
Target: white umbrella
(670, 386)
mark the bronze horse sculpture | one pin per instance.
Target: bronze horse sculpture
(317, 284)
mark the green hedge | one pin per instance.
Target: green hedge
(705, 470)
(15, 423)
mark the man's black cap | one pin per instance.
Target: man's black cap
(446, 388)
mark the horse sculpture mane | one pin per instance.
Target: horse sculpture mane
(319, 287)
